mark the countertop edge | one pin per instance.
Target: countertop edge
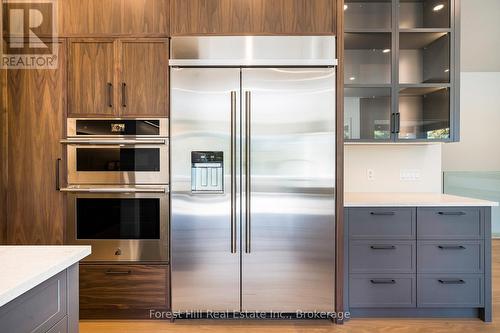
(41, 277)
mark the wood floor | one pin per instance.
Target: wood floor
(352, 326)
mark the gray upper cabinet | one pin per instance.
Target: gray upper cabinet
(401, 70)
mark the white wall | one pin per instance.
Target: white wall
(478, 149)
(387, 161)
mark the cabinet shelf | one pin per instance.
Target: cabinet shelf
(368, 14)
(424, 13)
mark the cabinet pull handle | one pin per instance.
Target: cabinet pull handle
(112, 272)
(397, 123)
(382, 213)
(124, 94)
(383, 247)
(451, 281)
(383, 281)
(451, 213)
(58, 172)
(110, 94)
(451, 247)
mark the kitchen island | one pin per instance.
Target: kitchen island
(417, 255)
(39, 288)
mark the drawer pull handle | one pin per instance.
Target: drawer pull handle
(382, 213)
(389, 281)
(383, 247)
(451, 213)
(451, 247)
(454, 281)
(111, 272)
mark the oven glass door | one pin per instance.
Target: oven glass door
(120, 226)
(118, 164)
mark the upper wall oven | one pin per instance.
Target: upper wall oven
(117, 151)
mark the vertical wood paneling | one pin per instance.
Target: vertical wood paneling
(36, 105)
(265, 17)
(339, 195)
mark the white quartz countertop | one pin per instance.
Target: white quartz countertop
(352, 199)
(25, 267)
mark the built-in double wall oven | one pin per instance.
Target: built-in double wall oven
(118, 187)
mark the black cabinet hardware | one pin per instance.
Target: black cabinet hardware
(110, 94)
(111, 272)
(451, 213)
(383, 247)
(383, 281)
(382, 213)
(451, 281)
(451, 247)
(58, 173)
(124, 94)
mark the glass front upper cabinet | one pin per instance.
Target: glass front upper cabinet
(367, 58)
(367, 114)
(367, 14)
(424, 14)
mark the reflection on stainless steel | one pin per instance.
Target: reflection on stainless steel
(120, 249)
(253, 51)
(292, 156)
(205, 272)
(279, 158)
(114, 158)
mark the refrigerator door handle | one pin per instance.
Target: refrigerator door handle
(233, 172)
(248, 129)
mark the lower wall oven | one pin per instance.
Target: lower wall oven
(121, 223)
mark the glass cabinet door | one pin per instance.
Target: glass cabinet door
(424, 14)
(367, 14)
(367, 114)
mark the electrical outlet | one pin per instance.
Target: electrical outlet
(370, 174)
(409, 175)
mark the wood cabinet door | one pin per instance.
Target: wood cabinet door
(92, 88)
(36, 113)
(252, 17)
(145, 17)
(144, 78)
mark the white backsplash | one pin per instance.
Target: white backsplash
(393, 168)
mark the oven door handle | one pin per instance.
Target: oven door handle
(114, 142)
(115, 190)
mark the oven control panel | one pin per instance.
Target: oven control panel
(207, 172)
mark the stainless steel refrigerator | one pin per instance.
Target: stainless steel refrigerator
(253, 173)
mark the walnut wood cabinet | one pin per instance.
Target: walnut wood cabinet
(101, 18)
(36, 109)
(192, 17)
(118, 78)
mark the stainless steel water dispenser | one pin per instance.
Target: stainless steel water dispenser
(207, 172)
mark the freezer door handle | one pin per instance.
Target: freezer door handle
(233, 172)
(248, 183)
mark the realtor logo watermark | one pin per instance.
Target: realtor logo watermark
(29, 34)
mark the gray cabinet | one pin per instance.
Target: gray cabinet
(421, 261)
(51, 307)
(401, 70)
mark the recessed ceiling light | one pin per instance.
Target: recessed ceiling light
(438, 7)
(386, 50)
(352, 78)
(346, 7)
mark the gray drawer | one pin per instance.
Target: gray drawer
(450, 290)
(381, 223)
(37, 310)
(60, 327)
(449, 223)
(382, 256)
(382, 290)
(450, 256)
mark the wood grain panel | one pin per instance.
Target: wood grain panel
(190, 17)
(102, 18)
(339, 163)
(91, 71)
(89, 17)
(105, 287)
(36, 106)
(144, 70)
(145, 17)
